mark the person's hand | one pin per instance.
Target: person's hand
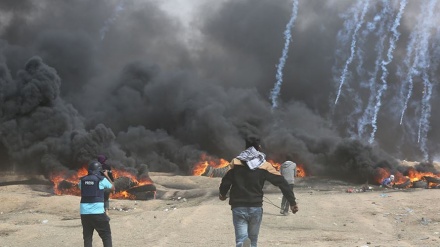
(105, 173)
(294, 208)
(221, 197)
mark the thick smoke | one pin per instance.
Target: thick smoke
(160, 90)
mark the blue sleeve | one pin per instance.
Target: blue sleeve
(105, 184)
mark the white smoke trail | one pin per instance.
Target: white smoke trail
(418, 63)
(384, 75)
(407, 83)
(355, 94)
(383, 18)
(419, 43)
(287, 37)
(359, 23)
(424, 124)
(103, 31)
(425, 116)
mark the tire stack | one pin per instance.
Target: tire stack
(216, 172)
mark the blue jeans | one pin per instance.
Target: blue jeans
(247, 221)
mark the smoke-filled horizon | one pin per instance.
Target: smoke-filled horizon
(156, 85)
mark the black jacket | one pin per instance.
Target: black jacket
(109, 169)
(246, 185)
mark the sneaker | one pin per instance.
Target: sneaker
(286, 213)
(247, 243)
(282, 212)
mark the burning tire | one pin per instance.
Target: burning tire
(216, 172)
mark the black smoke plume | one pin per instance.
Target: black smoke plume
(159, 90)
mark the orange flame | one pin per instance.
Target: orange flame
(300, 170)
(58, 177)
(134, 178)
(122, 195)
(399, 178)
(205, 161)
(275, 164)
(65, 182)
(416, 176)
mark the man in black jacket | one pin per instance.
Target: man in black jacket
(106, 167)
(245, 180)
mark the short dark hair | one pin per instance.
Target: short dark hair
(253, 141)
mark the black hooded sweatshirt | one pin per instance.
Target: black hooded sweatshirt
(246, 185)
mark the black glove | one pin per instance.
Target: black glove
(294, 208)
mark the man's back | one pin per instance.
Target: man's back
(288, 170)
(246, 185)
(386, 181)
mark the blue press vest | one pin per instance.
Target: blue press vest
(90, 191)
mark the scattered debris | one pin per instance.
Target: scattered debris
(364, 188)
(425, 221)
(432, 182)
(183, 199)
(123, 209)
(403, 185)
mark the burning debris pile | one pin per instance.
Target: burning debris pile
(431, 182)
(413, 175)
(408, 175)
(211, 167)
(127, 185)
(428, 182)
(87, 93)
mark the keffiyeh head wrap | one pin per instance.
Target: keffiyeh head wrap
(252, 157)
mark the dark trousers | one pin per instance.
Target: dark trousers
(100, 223)
(285, 205)
(106, 198)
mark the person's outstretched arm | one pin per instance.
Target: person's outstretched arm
(105, 173)
(279, 181)
(225, 185)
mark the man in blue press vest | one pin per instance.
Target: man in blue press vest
(92, 210)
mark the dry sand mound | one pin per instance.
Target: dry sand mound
(188, 213)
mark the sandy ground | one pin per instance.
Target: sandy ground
(189, 214)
